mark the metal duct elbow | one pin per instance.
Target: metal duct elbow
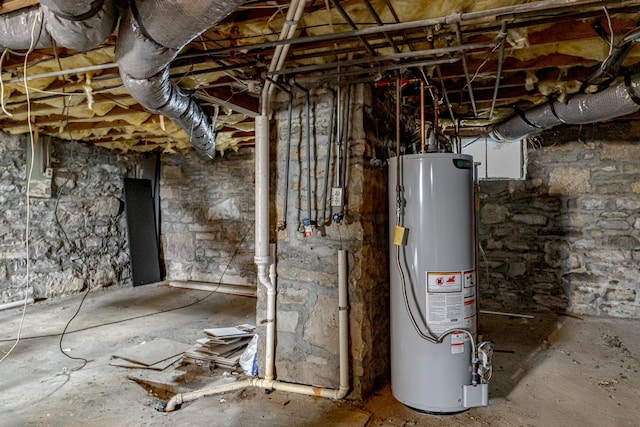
(160, 96)
(150, 37)
(80, 25)
(616, 101)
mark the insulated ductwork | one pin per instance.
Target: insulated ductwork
(16, 28)
(79, 25)
(613, 102)
(150, 37)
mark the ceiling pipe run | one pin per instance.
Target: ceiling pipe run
(477, 17)
(616, 101)
(151, 35)
(436, 52)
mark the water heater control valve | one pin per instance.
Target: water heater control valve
(485, 357)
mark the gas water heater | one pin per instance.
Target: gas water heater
(437, 366)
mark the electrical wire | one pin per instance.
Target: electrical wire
(66, 237)
(472, 142)
(155, 313)
(2, 85)
(28, 198)
(500, 39)
(606, 12)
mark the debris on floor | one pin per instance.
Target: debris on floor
(166, 383)
(157, 354)
(221, 347)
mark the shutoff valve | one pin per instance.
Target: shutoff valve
(306, 225)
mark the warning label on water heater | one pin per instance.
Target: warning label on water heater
(444, 282)
(470, 303)
(445, 301)
(457, 343)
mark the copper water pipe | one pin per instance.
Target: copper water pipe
(422, 147)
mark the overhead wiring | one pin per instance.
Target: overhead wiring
(4, 53)
(28, 198)
(606, 12)
(499, 40)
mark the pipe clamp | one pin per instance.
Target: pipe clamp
(262, 260)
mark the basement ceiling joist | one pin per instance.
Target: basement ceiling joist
(548, 50)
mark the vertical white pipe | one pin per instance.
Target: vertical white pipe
(343, 319)
(270, 344)
(262, 189)
(262, 235)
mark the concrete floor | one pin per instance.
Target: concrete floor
(549, 371)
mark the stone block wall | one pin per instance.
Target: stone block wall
(207, 216)
(88, 206)
(568, 237)
(307, 310)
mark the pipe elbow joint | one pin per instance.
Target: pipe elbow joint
(342, 392)
(173, 403)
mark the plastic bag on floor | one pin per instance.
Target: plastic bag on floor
(248, 359)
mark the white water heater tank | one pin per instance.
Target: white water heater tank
(433, 281)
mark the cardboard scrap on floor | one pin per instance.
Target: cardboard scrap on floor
(221, 347)
(170, 380)
(157, 354)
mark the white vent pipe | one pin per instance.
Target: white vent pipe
(15, 304)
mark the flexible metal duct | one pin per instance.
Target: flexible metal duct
(79, 25)
(15, 29)
(150, 37)
(616, 101)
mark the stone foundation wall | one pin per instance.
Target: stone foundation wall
(307, 310)
(568, 237)
(88, 204)
(207, 215)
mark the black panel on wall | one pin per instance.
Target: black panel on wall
(143, 242)
(150, 169)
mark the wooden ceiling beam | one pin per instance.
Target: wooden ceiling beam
(238, 102)
(13, 5)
